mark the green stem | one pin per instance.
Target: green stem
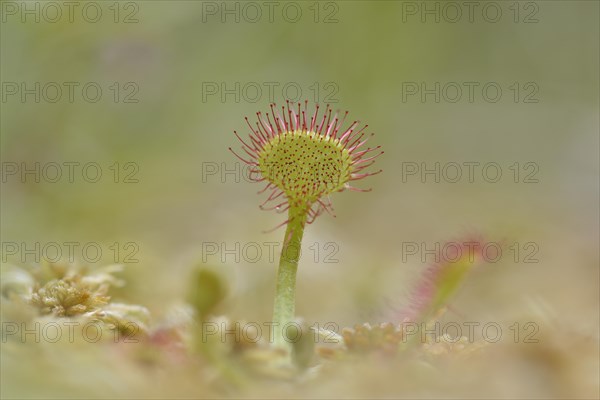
(285, 295)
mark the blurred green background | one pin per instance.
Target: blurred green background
(363, 53)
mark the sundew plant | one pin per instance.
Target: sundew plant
(303, 157)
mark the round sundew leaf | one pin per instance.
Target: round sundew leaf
(305, 157)
(305, 165)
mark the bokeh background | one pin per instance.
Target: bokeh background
(359, 56)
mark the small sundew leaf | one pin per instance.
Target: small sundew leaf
(207, 291)
(303, 345)
(440, 281)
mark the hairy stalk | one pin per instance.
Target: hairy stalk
(285, 294)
